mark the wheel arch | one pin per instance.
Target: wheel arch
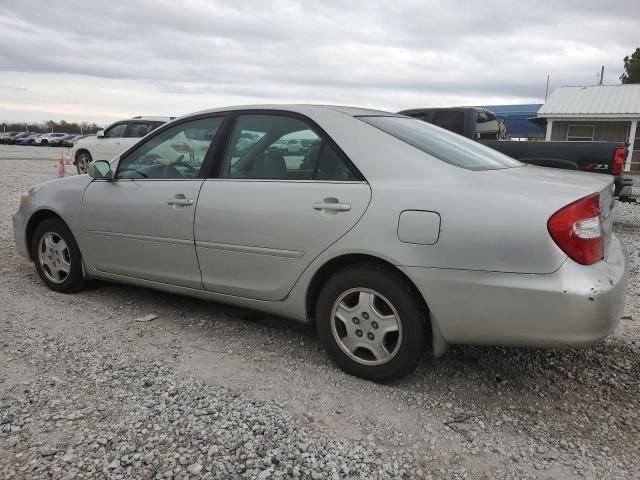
(36, 219)
(79, 152)
(324, 273)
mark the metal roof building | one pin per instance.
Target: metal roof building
(599, 112)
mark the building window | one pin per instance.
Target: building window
(580, 133)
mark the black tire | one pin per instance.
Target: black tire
(412, 342)
(74, 280)
(44, 143)
(83, 159)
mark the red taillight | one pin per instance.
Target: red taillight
(577, 230)
(618, 161)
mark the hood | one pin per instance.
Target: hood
(74, 182)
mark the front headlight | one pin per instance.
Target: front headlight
(24, 197)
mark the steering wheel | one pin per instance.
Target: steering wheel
(181, 163)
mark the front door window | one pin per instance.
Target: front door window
(176, 153)
(115, 131)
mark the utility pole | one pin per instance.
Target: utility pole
(546, 92)
(601, 74)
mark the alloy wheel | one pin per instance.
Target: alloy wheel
(366, 326)
(54, 257)
(83, 163)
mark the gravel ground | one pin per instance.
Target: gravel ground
(209, 391)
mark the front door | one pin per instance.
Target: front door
(271, 212)
(141, 223)
(108, 146)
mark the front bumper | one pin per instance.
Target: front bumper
(574, 306)
(20, 233)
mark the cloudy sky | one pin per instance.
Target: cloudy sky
(101, 61)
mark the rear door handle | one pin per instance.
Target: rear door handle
(180, 200)
(335, 206)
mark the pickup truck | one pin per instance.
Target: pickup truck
(481, 125)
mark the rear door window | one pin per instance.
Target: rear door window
(278, 147)
(138, 129)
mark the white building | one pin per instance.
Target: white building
(597, 113)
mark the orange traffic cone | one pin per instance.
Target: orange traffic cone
(61, 170)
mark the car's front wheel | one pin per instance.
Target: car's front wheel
(57, 256)
(82, 162)
(371, 322)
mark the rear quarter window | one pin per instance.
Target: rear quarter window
(442, 144)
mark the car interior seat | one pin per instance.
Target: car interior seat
(269, 164)
(331, 167)
(310, 159)
(142, 130)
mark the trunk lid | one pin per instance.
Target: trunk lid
(558, 188)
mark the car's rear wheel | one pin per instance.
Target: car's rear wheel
(371, 322)
(82, 162)
(44, 143)
(57, 256)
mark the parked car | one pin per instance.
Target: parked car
(57, 141)
(28, 139)
(481, 124)
(5, 135)
(71, 140)
(49, 139)
(11, 140)
(293, 146)
(378, 253)
(113, 140)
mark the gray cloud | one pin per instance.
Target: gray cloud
(377, 53)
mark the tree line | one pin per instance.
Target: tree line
(50, 126)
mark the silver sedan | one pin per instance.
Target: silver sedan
(392, 235)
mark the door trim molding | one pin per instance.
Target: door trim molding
(144, 238)
(273, 252)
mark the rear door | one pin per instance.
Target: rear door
(266, 216)
(134, 132)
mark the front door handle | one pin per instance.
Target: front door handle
(180, 200)
(332, 204)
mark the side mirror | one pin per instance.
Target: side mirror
(100, 169)
(100, 134)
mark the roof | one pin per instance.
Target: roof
(601, 100)
(500, 110)
(516, 118)
(146, 117)
(299, 108)
(437, 109)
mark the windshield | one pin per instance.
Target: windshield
(442, 144)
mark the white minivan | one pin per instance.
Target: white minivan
(113, 140)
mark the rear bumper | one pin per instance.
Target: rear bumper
(576, 305)
(623, 187)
